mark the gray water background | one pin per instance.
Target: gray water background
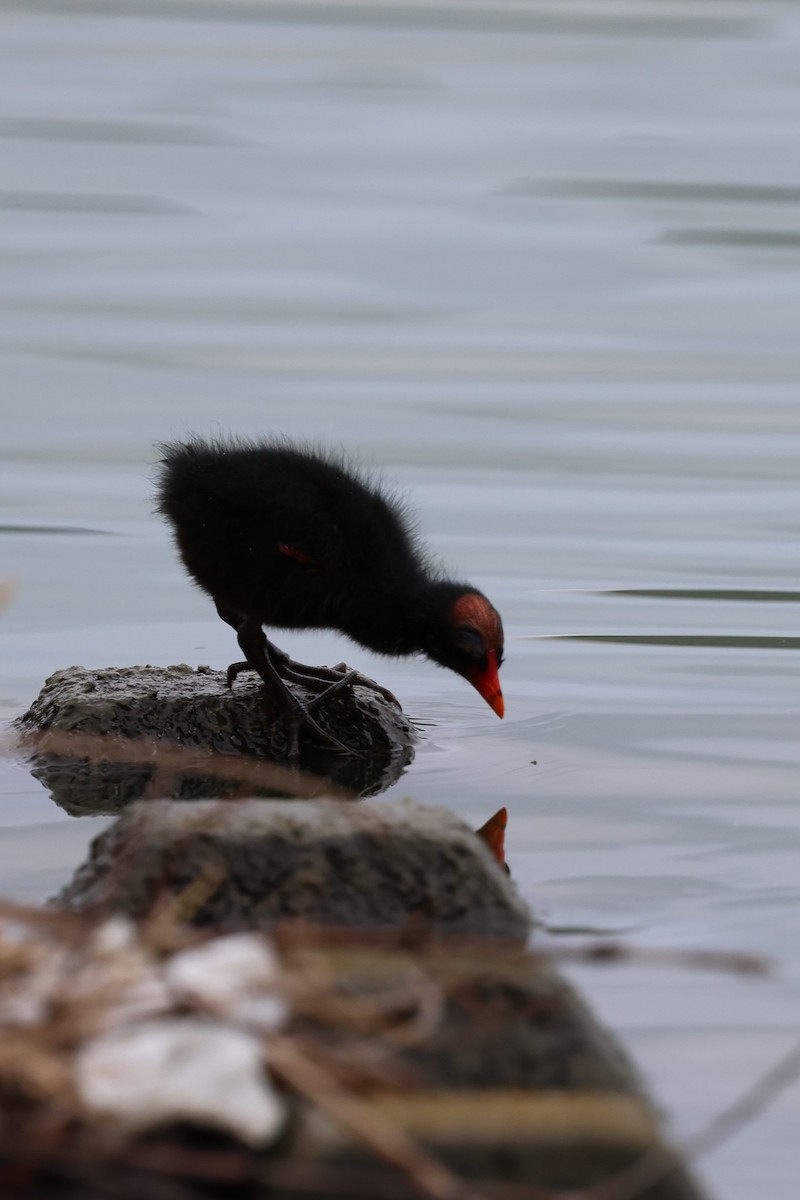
(539, 263)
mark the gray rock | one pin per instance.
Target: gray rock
(194, 709)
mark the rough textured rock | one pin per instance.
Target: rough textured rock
(363, 866)
(195, 708)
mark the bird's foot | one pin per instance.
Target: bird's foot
(298, 713)
(327, 680)
(299, 716)
(314, 679)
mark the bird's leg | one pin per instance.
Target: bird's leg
(280, 660)
(233, 618)
(326, 680)
(322, 680)
(257, 649)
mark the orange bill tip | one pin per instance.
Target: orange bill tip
(487, 684)
(494, 834)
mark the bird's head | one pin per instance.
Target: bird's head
(472, 645)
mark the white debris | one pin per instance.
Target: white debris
(27, 995)
(111, 971)
(113, 936)
(118, 975)
(145, 1058)
(181, 1069)
(235, 975)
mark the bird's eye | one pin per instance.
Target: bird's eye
(470, 641)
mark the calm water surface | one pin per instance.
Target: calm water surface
(540, 264)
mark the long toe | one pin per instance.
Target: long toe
(301, 718)
(315, 679)
(311, 682)
(276, 670)
(330, 690)
(355, 677)
(235, 670)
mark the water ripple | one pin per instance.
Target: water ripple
(645, 189)
(707, 640)
(80, 202)
(740, 595)
(68, 530)
(114, 132)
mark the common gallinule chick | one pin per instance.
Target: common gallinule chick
(283, 535)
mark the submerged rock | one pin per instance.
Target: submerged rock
(366, 866)
(148, 707)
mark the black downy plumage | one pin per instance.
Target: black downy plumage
(286, 536)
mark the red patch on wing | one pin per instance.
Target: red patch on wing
(299, 556)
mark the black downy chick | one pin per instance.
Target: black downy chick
(286, 536)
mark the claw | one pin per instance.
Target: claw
(235, 670)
